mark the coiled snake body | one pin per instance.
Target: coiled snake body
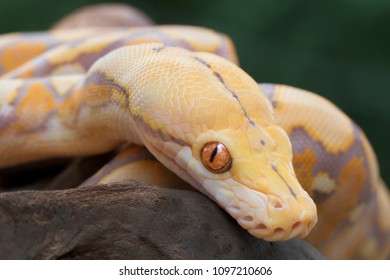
(204, 122)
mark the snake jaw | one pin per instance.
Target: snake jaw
(265, 216)
(287, 221)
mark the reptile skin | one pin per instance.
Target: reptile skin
(174, 90)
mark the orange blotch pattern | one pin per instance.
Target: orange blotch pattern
(303, 164)
(332, 212)
(97, 95)
(70, 108)
(19, 54)
(352, 176)
(34, 108)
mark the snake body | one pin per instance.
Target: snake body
(336, 165)
(169, 89)
(59, 52)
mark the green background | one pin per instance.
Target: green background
(339, 49)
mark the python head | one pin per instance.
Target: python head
(249, 173)
(245, 162)
(209, 122)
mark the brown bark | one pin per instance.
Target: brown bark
(128, 220)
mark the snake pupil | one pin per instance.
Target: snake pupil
(215, 151)
(216, 157)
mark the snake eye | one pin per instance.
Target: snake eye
(216, 157)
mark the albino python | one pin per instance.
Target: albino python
(177, 91)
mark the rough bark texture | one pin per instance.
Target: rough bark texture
(128, 220)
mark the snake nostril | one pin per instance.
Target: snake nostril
(261, 226)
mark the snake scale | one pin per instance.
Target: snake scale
(276, 158)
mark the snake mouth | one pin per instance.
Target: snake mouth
(266, 216)
(280, 219)
(287, 218)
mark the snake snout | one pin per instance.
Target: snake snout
(270, 233)
(287, 218)
(270, 216)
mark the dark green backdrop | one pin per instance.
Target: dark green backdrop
(339, 49)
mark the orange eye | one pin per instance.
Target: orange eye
(216, 157)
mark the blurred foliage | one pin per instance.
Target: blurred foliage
(339, 49)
